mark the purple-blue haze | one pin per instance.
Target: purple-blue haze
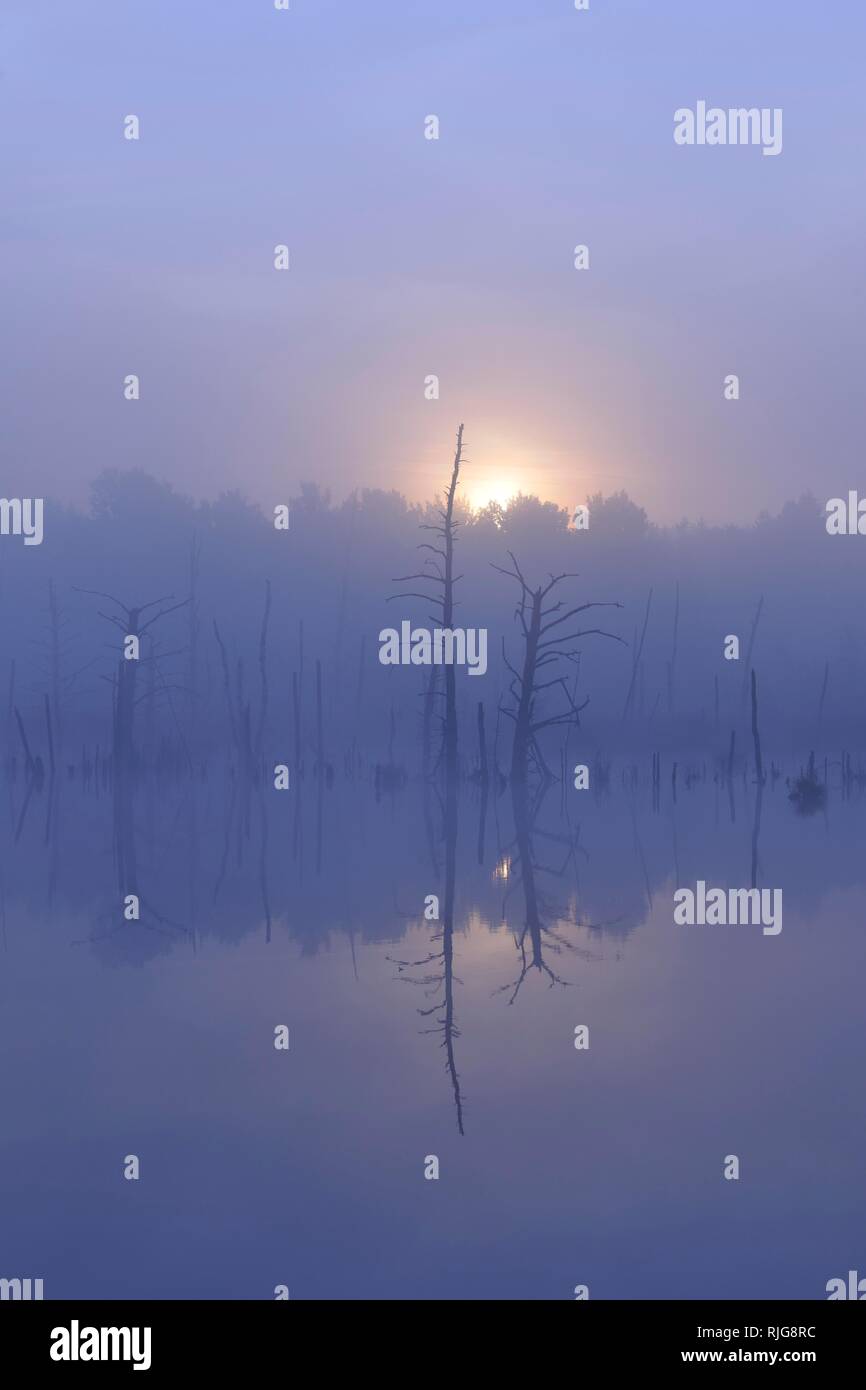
(305, 906)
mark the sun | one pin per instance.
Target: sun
(499, 490)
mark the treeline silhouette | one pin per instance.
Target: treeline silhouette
(269, 644)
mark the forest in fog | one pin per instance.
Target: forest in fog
(249, 609)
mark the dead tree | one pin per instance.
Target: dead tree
(59, 682)
(638, 652)
(672, 664)
(540, 652)
(536, 937)
(193, 713)
(125, 682)
(29, 761)
(247, 747)
(440, 571)
(125, 701)
(263, 673)
(756, 737)
(438, 977)
(227, 687)
(297, 700)
(747, 664)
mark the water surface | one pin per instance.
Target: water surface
(410, 1038)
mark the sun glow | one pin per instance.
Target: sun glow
(499, 490)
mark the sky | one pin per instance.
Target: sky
(411, 257)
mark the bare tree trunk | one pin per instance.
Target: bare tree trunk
(320, 736)
(427, 722)
(28, 757)
(443, 574)
(127, 680)
(759, 766)
(54, 614)
(673, 661)
(227, 688)
(50, 734)
(523, 722)
(359, 692)
(239, 700)
(540, 650)
(482, 745)
(125, 701)
(150, 720)
(448, 613)
(636, 659)
(263, 669)
(297, 721)
(194, 629)
(748, 662)
(450, 827)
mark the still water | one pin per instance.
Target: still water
(411, 1038)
